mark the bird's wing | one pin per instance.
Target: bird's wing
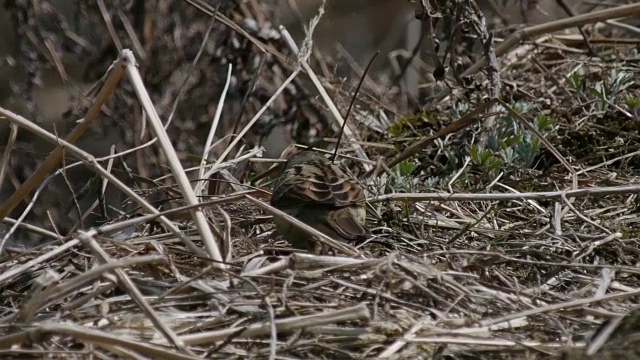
(343, 221)
(317, 183)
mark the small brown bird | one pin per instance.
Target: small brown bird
(321, 194)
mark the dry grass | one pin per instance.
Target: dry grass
(468, 261)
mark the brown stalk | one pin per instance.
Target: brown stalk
(113, 77)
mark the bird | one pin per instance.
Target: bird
(321, 194)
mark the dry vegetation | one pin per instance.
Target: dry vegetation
(506, 210)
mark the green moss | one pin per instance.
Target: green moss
(411, 123)
(632, 102)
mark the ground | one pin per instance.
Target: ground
(502, 198)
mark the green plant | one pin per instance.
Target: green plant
(604, 92)
(404, 180)
(634, 106)
(513, 144)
